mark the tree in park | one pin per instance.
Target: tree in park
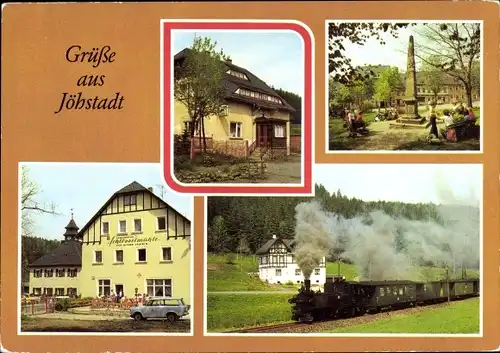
(433, 77)
(388, 85)
(198, 84)
(339, 65)
(458, 47)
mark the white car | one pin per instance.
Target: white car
(155, 308)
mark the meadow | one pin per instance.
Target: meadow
(460, 317)
(226, 312)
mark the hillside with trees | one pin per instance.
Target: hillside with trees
(243, 224)
(295, 101)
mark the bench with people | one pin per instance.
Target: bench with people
(354, 123)
(459, 123)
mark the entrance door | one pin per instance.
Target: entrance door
(262, 135)
(118, 289)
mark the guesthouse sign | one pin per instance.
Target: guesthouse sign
(132, 240)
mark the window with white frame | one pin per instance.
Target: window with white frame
(98, 257)
(48, 273)
(72, 272)
(105, 228)
(141, 255)
(316, 271)
(48, 291)
(279, 131)
(37, 273)
(161, 223)
(159, 287)
(297, 272)
(119, 256)
(37, 291)
(59, 291)
(235, 129)
(104, 287)
(122, 227)
(60, 272)
(278, 272)
(137, 225)
(166, 254)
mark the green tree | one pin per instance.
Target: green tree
(218, 235)
(458, 47)
(388, 85)
(198, 84)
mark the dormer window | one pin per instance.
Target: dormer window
(237, 74)
(258, 95)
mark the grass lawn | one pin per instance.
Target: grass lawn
(457, 317)
(222, 276)
(233, 311)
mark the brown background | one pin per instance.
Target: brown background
(35, 73)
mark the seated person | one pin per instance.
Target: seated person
(448, 121)
(359, 122)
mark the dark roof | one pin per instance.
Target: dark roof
(69, 253)
(71, 230)
(383, 283)
(128, 189)
(132, 187)
(264, 249)
(232, 83)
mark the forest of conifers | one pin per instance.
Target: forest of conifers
(243, 224)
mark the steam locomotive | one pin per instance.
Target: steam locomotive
(343, 299)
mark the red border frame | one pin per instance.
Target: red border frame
(307, 106)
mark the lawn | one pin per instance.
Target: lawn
(233, 311)
(382, 137)
(457, 317)
(238, 276)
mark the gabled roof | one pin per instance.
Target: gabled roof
(264, 249)
(69, 253)
(232, 83)
(128, 189)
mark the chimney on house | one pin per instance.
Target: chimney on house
(229, 61)
(150, 189)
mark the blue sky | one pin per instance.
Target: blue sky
(448, 183)
(276, 58)
(85, 187)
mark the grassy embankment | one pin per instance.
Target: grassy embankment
(458, 317)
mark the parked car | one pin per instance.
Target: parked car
(26, 298)
(154, 308)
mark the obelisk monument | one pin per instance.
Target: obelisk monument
(410, 99)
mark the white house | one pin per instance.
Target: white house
(277, 264)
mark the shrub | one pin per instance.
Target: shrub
(230, 258)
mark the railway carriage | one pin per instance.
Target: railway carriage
(342, 298)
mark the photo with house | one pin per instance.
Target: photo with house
(237, 113)
(104, 248)
(355, 258)
(404, 86)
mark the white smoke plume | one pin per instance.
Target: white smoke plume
(385, 247)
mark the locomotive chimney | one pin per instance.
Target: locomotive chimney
(307, 284)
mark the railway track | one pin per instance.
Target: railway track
(270, 328)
